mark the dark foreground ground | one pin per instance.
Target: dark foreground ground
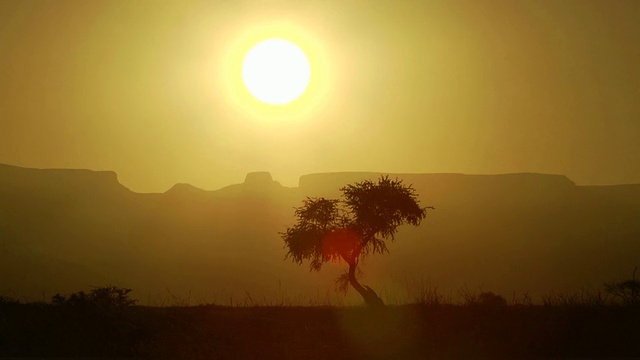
(403, 332)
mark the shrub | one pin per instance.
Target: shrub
(105, 298)
(8, 300)
(486, 299)
(628, 291)
(489, 299)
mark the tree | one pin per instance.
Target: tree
(628, 290)
(353, 227)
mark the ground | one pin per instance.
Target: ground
(407, 332)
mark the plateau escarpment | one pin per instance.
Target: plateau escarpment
(64, 229)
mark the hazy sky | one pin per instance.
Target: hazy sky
(149, 89)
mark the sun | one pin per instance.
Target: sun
(276, 71)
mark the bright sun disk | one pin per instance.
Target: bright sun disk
(276, 71)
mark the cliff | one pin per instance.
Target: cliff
(513, 232)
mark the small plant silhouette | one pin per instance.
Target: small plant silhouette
(490, 300)
(352, 227)
(628, 291)
(104, 298)
(8, 300)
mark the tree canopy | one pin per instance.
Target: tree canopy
(352, 227)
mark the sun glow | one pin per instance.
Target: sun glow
(276, 71)
(264, 88)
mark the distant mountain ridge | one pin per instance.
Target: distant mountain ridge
(323, 182)
(80, 178)
(264, 178)
(63, 229)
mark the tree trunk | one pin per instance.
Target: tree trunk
(370, 297)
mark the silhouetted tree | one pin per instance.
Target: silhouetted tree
(352, 227)
(628, 290)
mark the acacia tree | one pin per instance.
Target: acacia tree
(628, 290)
(352, 227)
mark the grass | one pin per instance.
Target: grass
(477, 325)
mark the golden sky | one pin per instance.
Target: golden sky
(150, 89)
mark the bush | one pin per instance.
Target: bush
(8, 300)
(489, 299)
(628, 291)
(105, 298)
